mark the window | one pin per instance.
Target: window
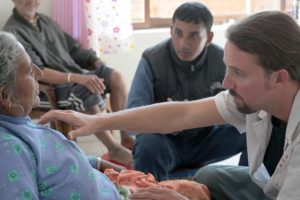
(158, 13)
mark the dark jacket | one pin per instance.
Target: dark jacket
(180, 80)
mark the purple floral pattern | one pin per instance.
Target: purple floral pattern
(109, 25)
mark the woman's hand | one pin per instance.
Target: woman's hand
(156, 194)
(84, 124)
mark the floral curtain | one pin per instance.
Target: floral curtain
(70, 15)
(104, 25)
(109, 25)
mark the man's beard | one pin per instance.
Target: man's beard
(242, 107)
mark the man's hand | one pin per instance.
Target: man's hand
(92, 82)
(98, 63)
(156, 194)
(84, 124)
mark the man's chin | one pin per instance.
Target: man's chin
(245, 109)
(242, 107)
(185, 57)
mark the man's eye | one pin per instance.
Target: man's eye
(238, 73)
(234, 72)
(178, 33)
(194, 35)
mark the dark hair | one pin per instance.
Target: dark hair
(274, 37)
(194, 12)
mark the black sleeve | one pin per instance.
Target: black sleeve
(83, 57)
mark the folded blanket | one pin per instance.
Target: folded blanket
(134, 180)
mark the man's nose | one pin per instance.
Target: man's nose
(184, 42)
(227, 82)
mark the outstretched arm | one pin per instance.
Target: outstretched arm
(162, 118)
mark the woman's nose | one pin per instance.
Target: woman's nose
(38, 72)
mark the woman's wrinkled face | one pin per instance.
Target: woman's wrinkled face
(27, 8)
(27, 87)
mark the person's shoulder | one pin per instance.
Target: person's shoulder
(158, 49)
(215, 50)
(44, 17)
(7, 137)
(11, 22)
(215, 47)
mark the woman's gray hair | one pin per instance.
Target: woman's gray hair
(10, 52)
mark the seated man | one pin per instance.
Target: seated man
(40, 163)
(62, 60)
(185, 67)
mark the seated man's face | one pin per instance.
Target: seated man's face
(27, 8)
(189, 39)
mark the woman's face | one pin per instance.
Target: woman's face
(27, 87)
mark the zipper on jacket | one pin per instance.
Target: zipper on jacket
(193, 68)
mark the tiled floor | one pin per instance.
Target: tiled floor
(91, 145)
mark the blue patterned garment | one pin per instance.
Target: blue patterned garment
(39, 163)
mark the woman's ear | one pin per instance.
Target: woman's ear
(4, 102)
(2, 93)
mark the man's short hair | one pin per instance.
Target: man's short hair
(194, 12)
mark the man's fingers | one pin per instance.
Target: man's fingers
(100, 85)
(47, 117)
(55, 115)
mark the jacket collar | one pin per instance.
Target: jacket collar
(198, 63)
(22, 19)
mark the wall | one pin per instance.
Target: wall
(124, 62)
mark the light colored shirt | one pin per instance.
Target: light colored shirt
(284, 183)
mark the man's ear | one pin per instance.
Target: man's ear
(280, 77)
(210, 36)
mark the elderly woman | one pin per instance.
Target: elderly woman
(37, 162)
